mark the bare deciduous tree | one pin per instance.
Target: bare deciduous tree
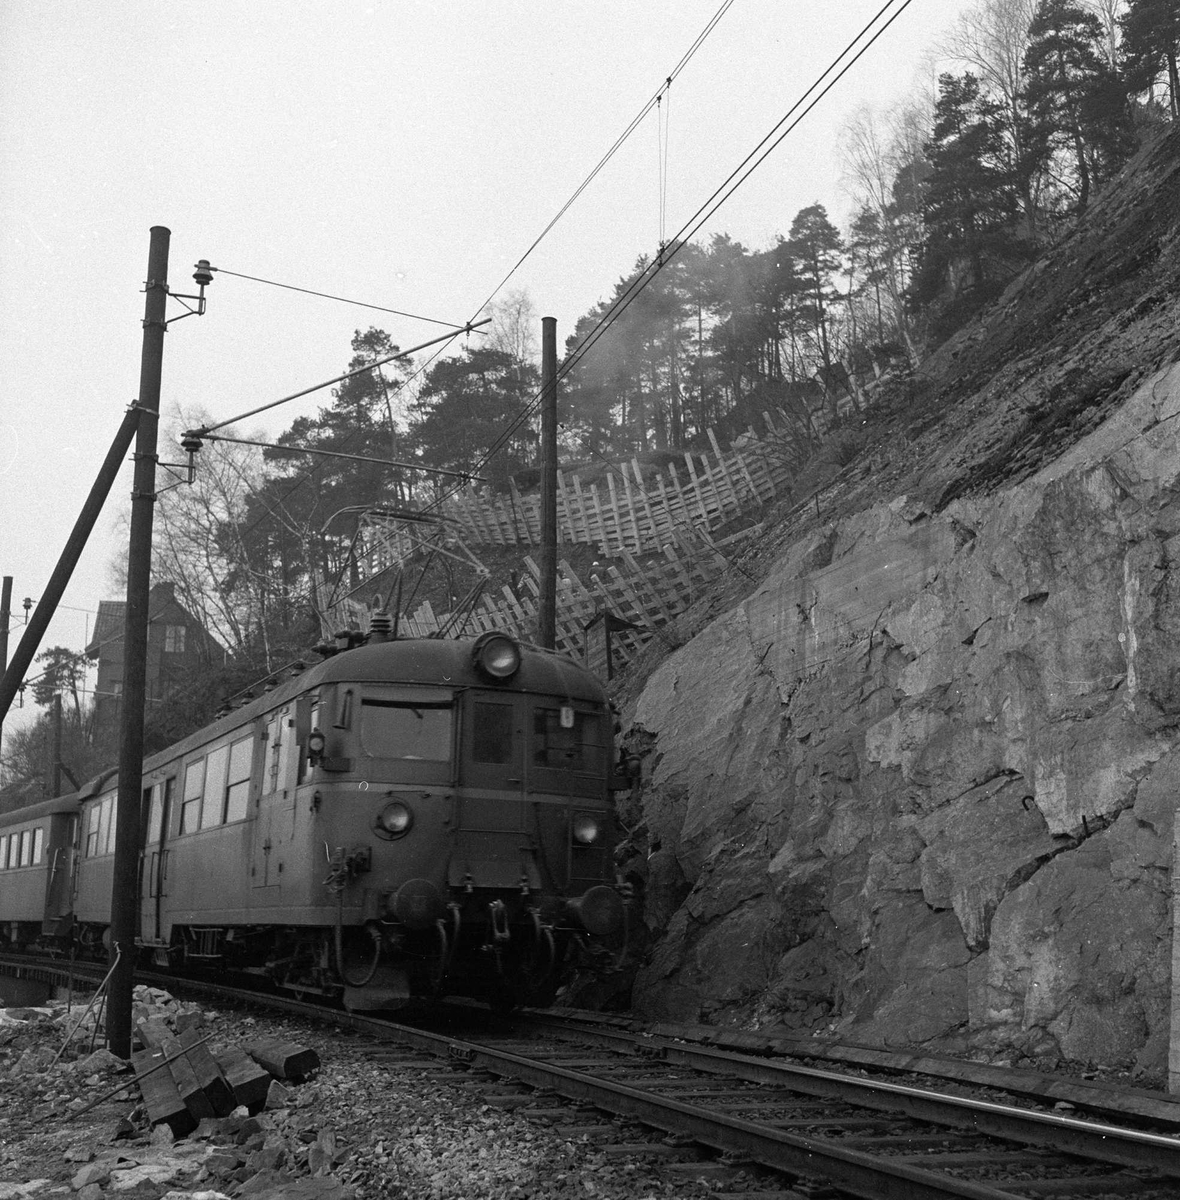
(990, 40)
(515, 324)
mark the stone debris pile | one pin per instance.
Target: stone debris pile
(201, 1118)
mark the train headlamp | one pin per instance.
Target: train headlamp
(496, 655)
(585, 829)
(394, 820)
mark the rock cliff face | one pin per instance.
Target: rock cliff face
(918, 787)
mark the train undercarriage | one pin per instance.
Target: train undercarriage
(490, 948)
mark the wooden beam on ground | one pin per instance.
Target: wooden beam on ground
(249, 1081)
(284, 1060)
(160, 1096)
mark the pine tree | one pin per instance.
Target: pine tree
(969, 242)
(1151, 46)
(1077, 129)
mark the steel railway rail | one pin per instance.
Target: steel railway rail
(868, 1138)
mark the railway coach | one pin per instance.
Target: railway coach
(36, 869)
(408, 817)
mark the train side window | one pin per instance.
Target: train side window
(194, 784)
(395, 729)
(491, 735)
(108, 825)
(38, 845)
(93, 817)
(237, 792)
(155, 814)
(3, 851)
(213, 803)
(565, 738)
(26, 847)
(344, 712)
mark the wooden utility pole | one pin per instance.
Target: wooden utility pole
(53, 591)
(5, 617)
(547, 600)
(124, 888)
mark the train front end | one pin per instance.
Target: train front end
(464, 796)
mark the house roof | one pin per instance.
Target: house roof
(112, 616)
(108, 625)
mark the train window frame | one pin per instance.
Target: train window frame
(26, 848)
(93, 828)
(344, 710)
(155, 814)
(213, 787)
(3, 852)
(13, 850)
(191, 796)
(107, 823)
(38, 845)
(237, 788)
(441, 734)
(479, 731)
(543, 743)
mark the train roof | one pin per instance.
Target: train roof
(429, 661)
(43, 808)
(438, 661)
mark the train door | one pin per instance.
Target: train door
(153, 860)
(494, 846)
(274, 828)
(58, 896)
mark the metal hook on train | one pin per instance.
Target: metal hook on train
(498, 913)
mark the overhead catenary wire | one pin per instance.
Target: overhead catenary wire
(634, 124)
(380, 462)
(341, 299)
(738, 176)
(715, 200)
(205, 430)
(856, 48)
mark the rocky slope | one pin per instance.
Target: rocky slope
(911, 778)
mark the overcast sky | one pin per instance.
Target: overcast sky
(405, 153)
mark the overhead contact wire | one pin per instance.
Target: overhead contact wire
(739, 174)
(619, 141)
(342, 299)
(718, 197)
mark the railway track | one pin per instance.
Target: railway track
(802, 1130)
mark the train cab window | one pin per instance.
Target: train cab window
(491, 735)
(194, 786)
(398, 729)
(568, 739)
(38, 845)
(237, 791)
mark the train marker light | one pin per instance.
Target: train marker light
(394, 820)
(496, 655)
(315, 746)
(585, 828)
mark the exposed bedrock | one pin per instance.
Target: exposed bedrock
(919, 788)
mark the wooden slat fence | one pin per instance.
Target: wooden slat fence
(634, 511)
(643, 597)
